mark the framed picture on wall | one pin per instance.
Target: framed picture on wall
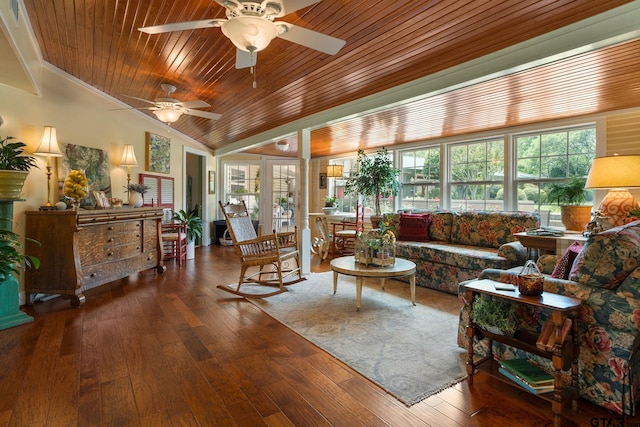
(323, 180)
(158, 153)
(212, 182)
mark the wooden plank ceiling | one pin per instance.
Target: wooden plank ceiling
(388, 43)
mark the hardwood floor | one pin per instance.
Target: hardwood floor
(172, 350)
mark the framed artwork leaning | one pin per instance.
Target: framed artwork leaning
(158, 153)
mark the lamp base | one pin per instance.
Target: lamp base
(616, 205)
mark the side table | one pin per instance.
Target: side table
(542, 245)
(563, 353)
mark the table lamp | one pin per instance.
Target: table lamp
(128, 160)
(616, 174)
(49, 147)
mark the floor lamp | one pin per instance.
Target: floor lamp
(128, 160)
(49, 147)
(616, 174)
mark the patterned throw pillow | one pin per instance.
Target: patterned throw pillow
(414, 227)
(563, 266)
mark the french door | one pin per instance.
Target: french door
(280, 204)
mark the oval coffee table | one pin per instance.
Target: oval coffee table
(348, 265)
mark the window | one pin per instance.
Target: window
(242, 182)
(546, 157)
(420, 179)
(477, 175)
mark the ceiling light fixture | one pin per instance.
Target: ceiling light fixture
(282, 145)
(168, 115)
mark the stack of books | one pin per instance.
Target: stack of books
(527, 375)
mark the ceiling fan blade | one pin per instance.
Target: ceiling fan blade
(194, 104)
(140, 99)
(290, 6)
(204, 114)
(133, 108)
(182, 26)
(245, 59)
(311, 39)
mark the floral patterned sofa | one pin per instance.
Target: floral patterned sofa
(460, 245)
(606, 277)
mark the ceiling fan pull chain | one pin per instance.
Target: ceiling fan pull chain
(253, 67)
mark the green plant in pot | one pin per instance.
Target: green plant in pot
(14, 167)
(194, 229)
(571, 195)
(494, 315)
(375, 177)
(12, 258)
(330, 201)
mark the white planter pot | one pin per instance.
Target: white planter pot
(135, 199)
(191, 250)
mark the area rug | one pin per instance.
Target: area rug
(410, 351)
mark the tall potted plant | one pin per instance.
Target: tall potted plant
(375, 177)
(570, 195)
(194, 229)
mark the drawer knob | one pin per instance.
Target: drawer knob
(110, 240)
(137, 247)
(110, 254)
(109, 228)
(93, 274)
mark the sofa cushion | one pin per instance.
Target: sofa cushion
(440, 227)
(490, 229)
(414, 227)
(455, 256)
(608, 257)
(631, 285)
(564, 264)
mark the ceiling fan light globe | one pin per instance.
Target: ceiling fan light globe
(167, 115)
(250, 33)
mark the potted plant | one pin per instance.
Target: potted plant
(375, 177)
(136, 192)
(14, 167)
(194, 229)
(494, 315)
(330, 205)
(570, 195)
(12, 259)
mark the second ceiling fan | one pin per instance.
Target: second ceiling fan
(251, 27)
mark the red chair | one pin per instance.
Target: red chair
(174, 242)
(346, 232)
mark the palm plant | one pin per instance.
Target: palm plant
(194, 224)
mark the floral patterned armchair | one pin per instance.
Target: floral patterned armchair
(606, 277)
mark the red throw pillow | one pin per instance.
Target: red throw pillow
(563, 267)
(414, 227)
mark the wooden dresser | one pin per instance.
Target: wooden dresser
(82, 249)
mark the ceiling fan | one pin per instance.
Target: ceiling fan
(250, 26)
(168, 109)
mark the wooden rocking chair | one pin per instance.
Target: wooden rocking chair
(276, 250)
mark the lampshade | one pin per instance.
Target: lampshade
(128, 156)
(334, 171)
(49, 143)
(250, 33)
(616, 173)
(168, 115)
